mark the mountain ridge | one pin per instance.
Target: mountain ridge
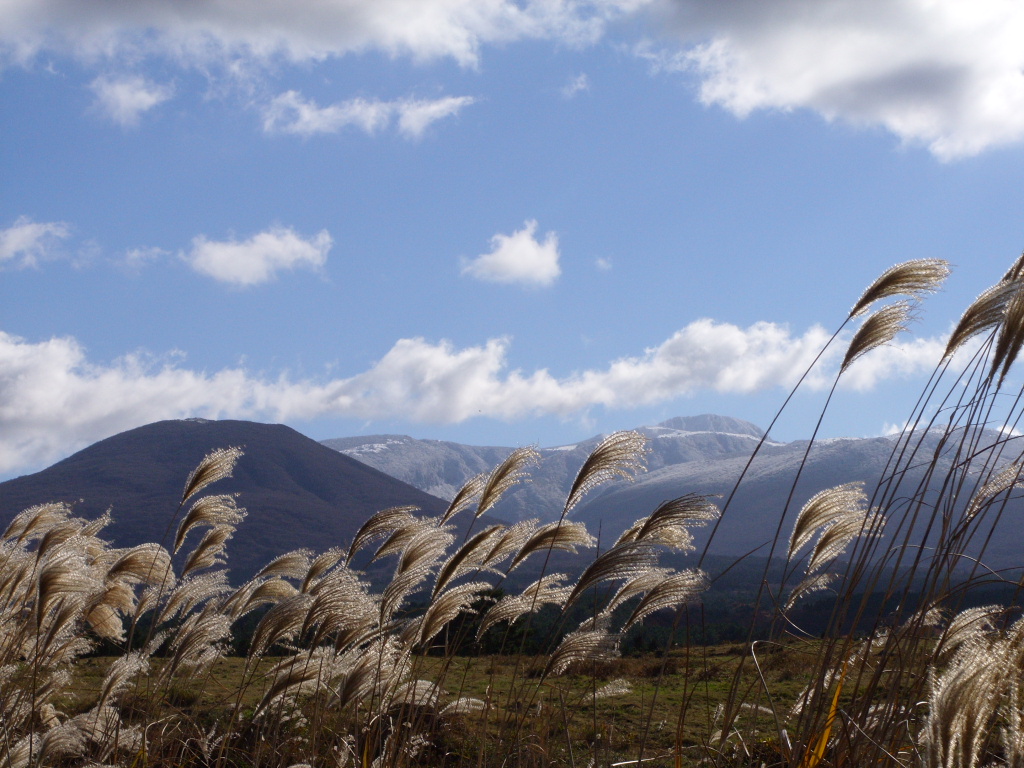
(441, 467)
(704, 455)
(302, 494)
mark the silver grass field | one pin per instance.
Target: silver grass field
(338, 673)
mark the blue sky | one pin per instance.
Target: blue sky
(487, 221)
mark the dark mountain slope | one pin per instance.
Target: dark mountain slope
(298, 493)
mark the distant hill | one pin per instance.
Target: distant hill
(440, 467)
(699, 454)
(298, 493)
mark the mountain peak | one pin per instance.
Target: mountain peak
(710, 422)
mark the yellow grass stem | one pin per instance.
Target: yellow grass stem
(812, 758)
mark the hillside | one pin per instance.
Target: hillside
(699, 454)
(440, 467)
(298, 493)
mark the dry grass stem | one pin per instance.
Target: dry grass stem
(1010, 338)
(564, 535)
(1008, 477)
(505, 476)
(986, 313)
(210, 511)
(825, 508)
(380, 525)
(467, 496)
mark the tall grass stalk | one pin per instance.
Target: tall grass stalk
(341, 673)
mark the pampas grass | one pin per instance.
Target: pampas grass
(911, 278)
(880, 328)
(340, 673)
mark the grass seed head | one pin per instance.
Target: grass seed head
(216, 465)
(880, 328)
(620, 456)
(911, 278)
(505, 476)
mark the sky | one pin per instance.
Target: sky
(496, 222)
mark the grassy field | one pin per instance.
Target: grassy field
(670, 702)
(339, 672)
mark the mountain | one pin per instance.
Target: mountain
(753, 514)
(298, 493)
(440, 467)
(699, 454)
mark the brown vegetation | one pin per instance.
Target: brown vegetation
(337, 674)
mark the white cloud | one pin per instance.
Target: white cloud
(415, 116)
(576, 85)
(26, 241)
(603, 263)
(260, 258)
(290, 113)
(53, 400)
(135, 260)
(50, 387)
(232, 29)
(891, 430)
(900, 359)
(518, 258)
(942, 73)
(124, 99)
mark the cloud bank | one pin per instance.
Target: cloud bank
(945, 74)
(258, 259)
(54, 400)
(941, 73)
(262, 29)
(518, 258)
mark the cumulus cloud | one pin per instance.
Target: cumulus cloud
(897, 360)
(124, 99)
(260, 258)
(518, 258)
(49, 388)
(291, 113)
(54, 400)
(267, 29)
(941, 73)
(26, 242)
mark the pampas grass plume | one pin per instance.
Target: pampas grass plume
(619, 456)
(910, 278)
(880, 328)
(216, 465)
